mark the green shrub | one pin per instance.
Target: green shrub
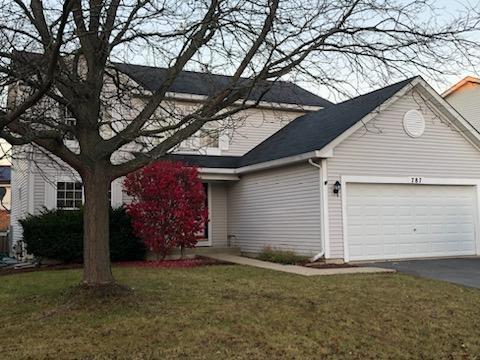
(285, 257)
(124, 245)
(58, 234)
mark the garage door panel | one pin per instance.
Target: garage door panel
(437, 229)
(389, 230)
(390, 249)
(399, 221)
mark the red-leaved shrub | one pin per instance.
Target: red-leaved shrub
(168, 208)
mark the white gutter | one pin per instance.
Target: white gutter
(317, 154)
(264, 165)
(261, 105)
(322, 227)
(284, 161)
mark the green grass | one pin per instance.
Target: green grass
(285, 257)
(234, 312)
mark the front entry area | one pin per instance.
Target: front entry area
(395, 221)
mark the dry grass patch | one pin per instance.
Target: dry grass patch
(241, 313)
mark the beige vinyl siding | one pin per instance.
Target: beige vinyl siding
(254, 126)
(242, 132)
(279, 208)
(218, 214)
(466, 101)
(20, 197)
(382, 148)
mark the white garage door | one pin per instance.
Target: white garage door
(387, 221)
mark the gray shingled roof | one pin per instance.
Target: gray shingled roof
(206, 161)
(306, 133)
(196, 83)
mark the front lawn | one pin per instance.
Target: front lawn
(235, 312)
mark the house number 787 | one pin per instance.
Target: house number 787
(416, 180)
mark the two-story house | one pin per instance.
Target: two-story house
(391, 174)
(40, 183)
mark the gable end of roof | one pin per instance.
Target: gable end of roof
(313, 131)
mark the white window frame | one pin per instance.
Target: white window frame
(116, 198)
(67, 180)
(407, 180)
(192, 144)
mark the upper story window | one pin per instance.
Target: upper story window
(209, 137)
(210, 140)
(67, 118)
(69, 195)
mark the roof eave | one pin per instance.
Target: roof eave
(194, 98)
(454, 88)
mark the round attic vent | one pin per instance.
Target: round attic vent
(414, 123)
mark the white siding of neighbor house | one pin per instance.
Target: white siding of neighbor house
(20, 197)
(382, 148)
(278, 208)
(466, 101)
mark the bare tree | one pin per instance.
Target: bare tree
(68, 55)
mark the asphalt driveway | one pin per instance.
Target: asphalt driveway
(464, 271)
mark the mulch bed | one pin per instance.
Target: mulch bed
(165, 264)
(172, 264)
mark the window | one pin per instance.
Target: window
(69, 195)
(209, 137)
(67, 118)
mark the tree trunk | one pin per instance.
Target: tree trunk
(96, 250)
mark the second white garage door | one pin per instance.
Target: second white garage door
(386, 221)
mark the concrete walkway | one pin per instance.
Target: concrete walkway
(295, 269)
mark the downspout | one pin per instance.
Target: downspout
(322, 227)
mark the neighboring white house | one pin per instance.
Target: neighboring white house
(391, 174)
(465, 97)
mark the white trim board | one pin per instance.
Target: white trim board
(208, 242)
(324, 208)
(407, 180)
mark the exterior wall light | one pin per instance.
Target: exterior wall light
(336, 187)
